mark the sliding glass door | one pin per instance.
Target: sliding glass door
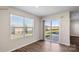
(51, 30)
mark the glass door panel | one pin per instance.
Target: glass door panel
(55, 30)
(47, 30)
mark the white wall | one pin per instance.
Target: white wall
(74, 25)
(75, 28)
(64, 18)
(41, 29)
(6, 44)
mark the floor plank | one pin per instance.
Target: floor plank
(74, 40)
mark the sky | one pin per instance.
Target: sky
(19, 21)
(55, 22)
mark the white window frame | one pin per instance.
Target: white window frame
(24, 18)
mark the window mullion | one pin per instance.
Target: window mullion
(24, 28)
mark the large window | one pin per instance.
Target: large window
(21, 27)
(28, 27)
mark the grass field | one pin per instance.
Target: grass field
(53, 31)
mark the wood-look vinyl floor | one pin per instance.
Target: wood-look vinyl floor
(44, 46)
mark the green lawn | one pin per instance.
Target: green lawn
(47, 32)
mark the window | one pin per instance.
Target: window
(28, 27)
(17, 27)
(21, 27)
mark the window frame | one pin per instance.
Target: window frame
(24, 18)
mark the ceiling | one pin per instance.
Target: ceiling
(46, 10)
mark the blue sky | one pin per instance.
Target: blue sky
(19, 22)
(55, 22)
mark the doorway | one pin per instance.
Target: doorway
(51, 30)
